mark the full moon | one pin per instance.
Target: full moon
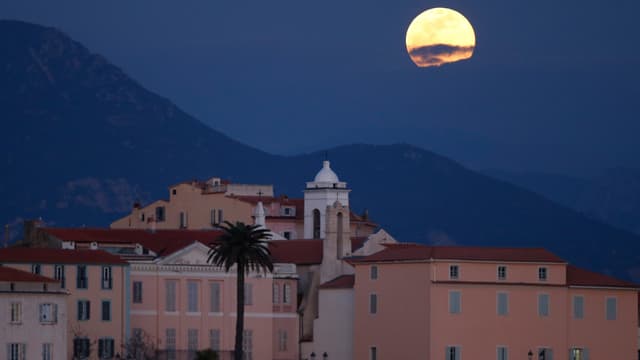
(439, 36)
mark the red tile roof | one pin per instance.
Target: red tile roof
(304, 251)
(581, 277)
(14, 275)
(341, 282)
(417, 252)
(161, 242)
(58, 256)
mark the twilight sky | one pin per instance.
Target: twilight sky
(552, 86)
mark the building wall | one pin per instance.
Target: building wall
(196, 205)
(262, 317)
(333, 329)
(95, 327)
(399, 329)
(30, 331)
(418, 307)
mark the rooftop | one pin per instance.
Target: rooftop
(581, 277)
(58, 256)
(13, 275)
(341, 282)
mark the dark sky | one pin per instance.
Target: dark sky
(552, 86)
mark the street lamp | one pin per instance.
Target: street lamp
(325, 356)
(530, 355)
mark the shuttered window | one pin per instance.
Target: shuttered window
(612, 304)
(578, 307)
(503, 304)
(192, 296)
(543, 305)
(214, 301)
(454, 302)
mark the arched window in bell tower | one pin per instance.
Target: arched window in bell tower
(340, 240)
(316, 224)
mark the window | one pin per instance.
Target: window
(286, 294)
(545, 354)
(220, 216)
(452, 353)
(612, 308)
(316, 224)
(142, 217)
(453, 272)
(503, 304)
(170, 287)
(84, 310)
(192, 339)
(373, 353)
(58, 274)
(374, 272)
(137, 292)
(174, 191)
(48, 313)
(542, 273)
(81, 348)
(16, 351)
(170, 340)
(502, 272)
(214, 339)
(105, 348)
(501, 353)
(183, 219)
(81, 277)
(36, 269)
(47, 351)
(16, 312)
(160, 214)
(106, 310)
(454, 302)
(287, 211)
(578, 354)
(543, 305)
(282, 340)
(578, 307)
(107, 282)
(214, 305)
(192, 296)
(287, 235)
(247, 344)
(214, 220)
(276, 293)
(373, 303)
(248, 294)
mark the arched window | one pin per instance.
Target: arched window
(340, 240)
(316, 224)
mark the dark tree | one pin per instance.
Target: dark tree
(246, 247)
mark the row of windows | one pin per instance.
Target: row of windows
(193, 290)
(217, 216)
(286, 293)
(82, 281)
(84, 310)
(47, 313)
(502, 353)
(82, 348)
(501, 272)
(502, 305)
(214, 341)
(18, 351)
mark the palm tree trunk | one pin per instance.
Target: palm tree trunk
(239, 312)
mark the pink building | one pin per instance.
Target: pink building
(97, 283)
(488, 303)
(33, 316)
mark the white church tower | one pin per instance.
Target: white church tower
(320, 194)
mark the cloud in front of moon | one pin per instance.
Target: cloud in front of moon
(439, 36)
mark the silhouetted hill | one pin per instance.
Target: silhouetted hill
(82, 141)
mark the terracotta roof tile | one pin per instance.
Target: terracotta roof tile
(15, 275)
(304, 251)
(581, 277)
(58, 256)
(341, 282)
(417, 252)
(161, 242)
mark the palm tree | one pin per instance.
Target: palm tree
(246, 247)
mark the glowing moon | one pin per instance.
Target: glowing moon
(439, 36)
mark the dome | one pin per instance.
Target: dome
(326, 174)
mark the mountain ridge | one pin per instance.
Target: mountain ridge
(83, 146)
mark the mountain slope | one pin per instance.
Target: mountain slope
(83, 141)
